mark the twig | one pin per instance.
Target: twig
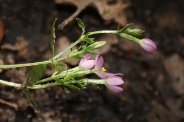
(69, 19)
(11, 104)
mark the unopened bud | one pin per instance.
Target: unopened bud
(96, 45)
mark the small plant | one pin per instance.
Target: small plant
(74, 78)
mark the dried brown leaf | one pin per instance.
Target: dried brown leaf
(19, 45)
(109, 10)
(8, 103)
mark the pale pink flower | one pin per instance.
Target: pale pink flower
(99, 62)
(148, 45)
(112, 80)
(86, 63)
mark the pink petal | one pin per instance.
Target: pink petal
(115, 89)
(115, 81)
(99, 62)
(148, 45)
(96, 58)
(86, 57)
(87, 65)
(104, 75)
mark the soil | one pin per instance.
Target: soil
(154, 84)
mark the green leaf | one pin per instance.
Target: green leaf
(89, 40)
(60, 64)
(28, 95)
(52, 37)
(77, 56)
(95, 45)
(81, 24)
(71, 86)
(134, 32)
(126, 27)
(36, 73)
(130, 31)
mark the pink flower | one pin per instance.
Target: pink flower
(99, 69)
(85, 63)
(112, 80)
(148, 45)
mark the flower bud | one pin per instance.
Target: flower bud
(96, 45)
(148, 45)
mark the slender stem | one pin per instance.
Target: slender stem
(43, 62)
(68, 48)
(24, 65)
(132, 38)
(44, 86)
(46, 79)
(16, 85)
(102, 32)
(124, 35)
(68, 56)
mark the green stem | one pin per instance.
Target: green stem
(24, 65)
(61, 75)
(102, 32)
(43, 62)
(95, 81)
(43, 86)
(68, 48)
(75, 72)
(124, 35)
(35, 63)
(129, 37)
(69, 56)
(17, 85)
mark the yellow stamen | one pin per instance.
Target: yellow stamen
(103, 69)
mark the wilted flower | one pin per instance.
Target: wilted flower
(85, 63)
(148, 45)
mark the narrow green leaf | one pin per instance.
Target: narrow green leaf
(126, 27)
(89, 40)
(52, 37)
(81, 24)
(77, 56)
(134, 32)
(95, 45)
(28, 95)
(71, 86)
(60, 64)
(36, 73)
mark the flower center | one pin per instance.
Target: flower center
(103, 69)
